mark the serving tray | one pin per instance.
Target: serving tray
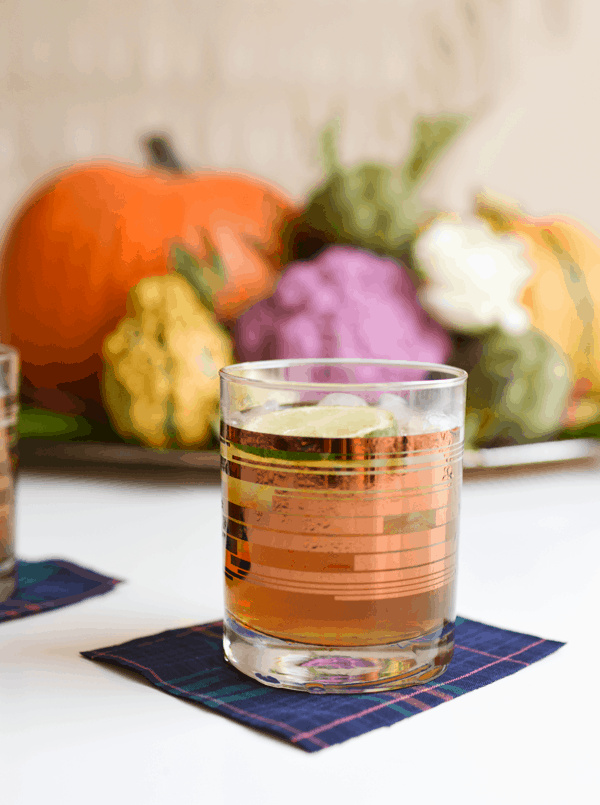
(46, 452)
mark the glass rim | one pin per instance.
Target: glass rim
(457, 376)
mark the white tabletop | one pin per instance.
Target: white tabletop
(74, 730)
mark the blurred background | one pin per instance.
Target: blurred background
(249, 84)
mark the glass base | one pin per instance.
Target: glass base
(8, 578)
(339, 669)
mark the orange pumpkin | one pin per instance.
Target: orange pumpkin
(86, 235)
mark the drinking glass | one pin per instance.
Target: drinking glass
(341, 488)
(9, 384)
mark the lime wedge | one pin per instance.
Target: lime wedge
(325, 422)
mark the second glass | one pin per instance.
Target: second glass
(341, 492)
(9, 383)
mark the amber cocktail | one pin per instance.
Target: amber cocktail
(340, 503)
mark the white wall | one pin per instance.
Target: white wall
(539, 144)
(248, 84)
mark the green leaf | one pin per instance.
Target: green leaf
(372, 206)
(206, 277)
(42, 424)
(329, 137)
(431, 137)
(587, 432)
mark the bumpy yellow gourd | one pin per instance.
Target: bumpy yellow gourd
(161, 382)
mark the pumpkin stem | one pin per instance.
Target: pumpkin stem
(161, 154)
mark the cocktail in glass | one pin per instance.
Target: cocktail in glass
(341, 490)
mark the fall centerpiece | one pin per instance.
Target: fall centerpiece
(127, 289)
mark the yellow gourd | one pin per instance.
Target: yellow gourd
(161, 381)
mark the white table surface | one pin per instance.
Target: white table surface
(73, 730)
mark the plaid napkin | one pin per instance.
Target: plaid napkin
(50, 584)
(189, 663)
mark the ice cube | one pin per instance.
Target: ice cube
(394, 403)
(414, 425)
(436, 423)
(270, 405)
(406, 417)
(239, 418)
(267, 407)
(339, 398)
(412, 422)
(236, 420)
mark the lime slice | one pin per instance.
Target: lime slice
(325, 422)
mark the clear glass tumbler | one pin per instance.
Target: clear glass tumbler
(341, 491)
(9, 386)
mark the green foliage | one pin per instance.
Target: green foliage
(431, 137)
(205, 276)
(587, 432)
(41, 424)
(372, 206)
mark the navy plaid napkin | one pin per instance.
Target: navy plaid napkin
(50, 584)
(189, 663)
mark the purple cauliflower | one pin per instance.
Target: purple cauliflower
(344, 303)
